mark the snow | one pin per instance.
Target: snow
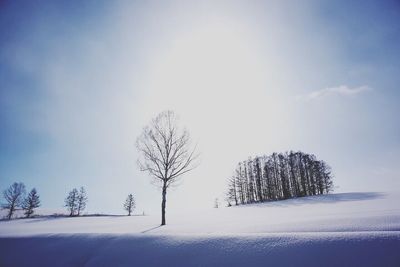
(347, 229)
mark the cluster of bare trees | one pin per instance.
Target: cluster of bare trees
(76, 201)
(279, 176)
(15, 198)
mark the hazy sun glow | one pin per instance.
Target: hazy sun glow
(206, 65)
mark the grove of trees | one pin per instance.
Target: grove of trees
(278, 176)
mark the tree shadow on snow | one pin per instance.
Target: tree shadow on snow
(53, 217)
(151, 229)
(321, 199)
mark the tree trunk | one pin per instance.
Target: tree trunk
(164, 200)
(9, 214)
(11, 210)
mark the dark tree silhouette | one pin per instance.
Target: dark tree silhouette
(30, 203)
(165, 153)
(129, 204)
(82, 200)
(13, 196)
(232, 196)
(71, 201)
(279, 176)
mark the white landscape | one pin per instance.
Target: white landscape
(343, 229)
(199, 133)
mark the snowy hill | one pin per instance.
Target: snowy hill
(344, 229)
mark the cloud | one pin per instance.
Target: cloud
(342, 90)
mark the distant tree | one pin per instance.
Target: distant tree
(30, 203)
(240, 183)
(71, 201)
(216, 203)
(283, 175)
(165, 153)
(232, 191)
(82, 200)
(292, 168)
(326, 172)
(258, 176)
(13, 196)
(129, 204)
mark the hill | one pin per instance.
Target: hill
(347, 229)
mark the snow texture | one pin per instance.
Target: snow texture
(348, 229)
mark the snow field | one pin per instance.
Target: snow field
(347, 229)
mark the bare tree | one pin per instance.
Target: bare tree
(14, 196)
(31, 202)
(82, 200)
(231, 195)
(165, 152)
(71, 202)
(129, 204)
(216, 203)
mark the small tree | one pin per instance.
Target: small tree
(30, 203)
(82, 200)
(14, 196)
(216, 203)
(129, 204)
(71, 201)
(165, 153)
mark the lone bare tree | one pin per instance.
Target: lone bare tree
(129, 204)
(14, 196)
(165, 152)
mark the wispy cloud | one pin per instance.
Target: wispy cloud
(342, 90)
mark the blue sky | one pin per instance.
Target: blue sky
(78, 81)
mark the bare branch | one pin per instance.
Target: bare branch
(164, 149)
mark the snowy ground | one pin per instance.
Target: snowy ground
(334, 230)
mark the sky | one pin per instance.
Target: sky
(80, 80)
